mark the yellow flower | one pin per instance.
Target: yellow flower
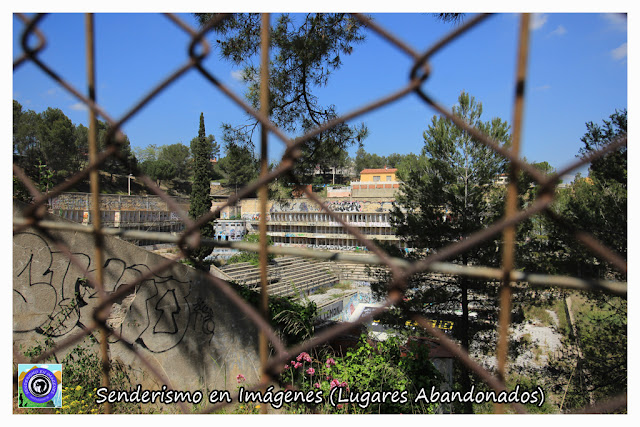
(79, 387)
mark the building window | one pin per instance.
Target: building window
(389, 178)
(376, 178)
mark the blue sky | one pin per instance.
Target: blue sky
(577, 73)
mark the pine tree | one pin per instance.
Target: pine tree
(448, 194)
(200, 190)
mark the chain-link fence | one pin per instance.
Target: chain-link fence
(400, 269)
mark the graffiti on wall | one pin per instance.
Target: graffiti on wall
(334, 205)
(294, 207)
(345, 206)
(52, 297)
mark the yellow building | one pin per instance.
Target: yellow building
(378, 175)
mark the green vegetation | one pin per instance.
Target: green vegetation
(49, 148)
(601, 326)
(200, 203)
(383, 366)
(304, 55)
(343, 285)
(252, 258)
(449, 193)
(538, 314)
(239, 164)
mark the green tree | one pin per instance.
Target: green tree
(364, 160)
(239, 164)
(179, 156)
(215, 153)
(200, 203)
(150, 152)
(124, 164)
(596, 204)
(57, 142)
(306, 51)
(159, 170)
(612, 166)
(26, 142)
(81, 135)
(394, 160)
(446, 195)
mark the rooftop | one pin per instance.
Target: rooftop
(389, 170)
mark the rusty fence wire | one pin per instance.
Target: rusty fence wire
(400, 269)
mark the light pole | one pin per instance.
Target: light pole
(129, 183)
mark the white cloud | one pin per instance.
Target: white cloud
(560, 30)
(616, 21)
(79, 106)
(237, 75)
(539, 19)
(542, 88)
(52, 91)
(620, 52)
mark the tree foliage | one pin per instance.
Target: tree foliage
(612, 166)
(50, 138)
(200, 202)
(159, 170)
(306, 51)
(179, 156)
(56, 137)
(447, 194)
(596, 204)
(364, 160)
(446, 190)
(239, 165)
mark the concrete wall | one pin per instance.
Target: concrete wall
(338, 192)
(114, 202)
(179, 322)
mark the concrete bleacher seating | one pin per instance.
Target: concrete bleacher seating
(351, 271)
(287, 276)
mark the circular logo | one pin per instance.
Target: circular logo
(39, 385)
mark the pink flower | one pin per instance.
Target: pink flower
(311, 371)
(316, 385)
(286, 366)
(334, 383)
(330, 362)
(240, 378)
(296, 365)
(304, 356)
(339, 406)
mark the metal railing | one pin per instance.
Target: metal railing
(400, 269)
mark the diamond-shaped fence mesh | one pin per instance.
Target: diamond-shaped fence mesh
(400, 269)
